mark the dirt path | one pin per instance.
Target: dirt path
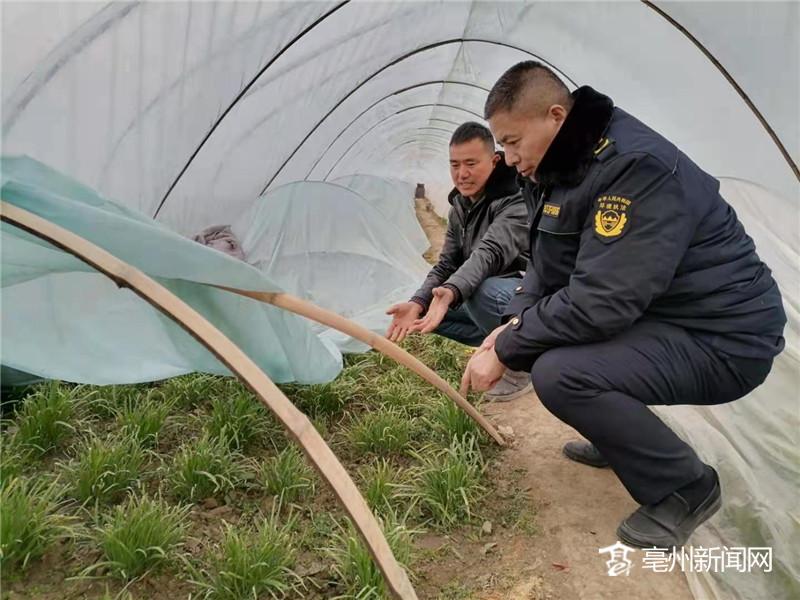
(433, 227)
(577, 509)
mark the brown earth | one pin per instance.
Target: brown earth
(433, 226)
(577, 510)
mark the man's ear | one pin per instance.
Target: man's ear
(495, 158)
(558, 113)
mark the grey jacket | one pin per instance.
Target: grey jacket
(485, 239)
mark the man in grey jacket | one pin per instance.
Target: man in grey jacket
(485, 249)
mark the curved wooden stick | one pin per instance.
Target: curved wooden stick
(318, 452)
(372, 339)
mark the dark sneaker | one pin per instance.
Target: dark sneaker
(669, 522)
(584, 452)
(511, 386)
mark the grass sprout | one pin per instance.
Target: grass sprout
(251, 563)
(140, 536)
(204, 468)
(103, 470)
(144, 418)
(47, 417)
(196, 389)
(240, 419)
(353, 563)
(383, 432)
(449, 482)
(29, 521)
(448, 422)
(287, 475)
(382, 485)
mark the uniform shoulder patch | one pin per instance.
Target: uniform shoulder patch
(611, 217)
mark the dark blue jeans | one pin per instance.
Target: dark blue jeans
(479, 314)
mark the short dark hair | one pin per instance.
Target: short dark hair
(472, 131)
(523, 77)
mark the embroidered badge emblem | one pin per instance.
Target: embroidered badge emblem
(611, 218)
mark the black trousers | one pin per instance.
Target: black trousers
(603, 389)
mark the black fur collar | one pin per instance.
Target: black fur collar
(571, 152)
(501, 183)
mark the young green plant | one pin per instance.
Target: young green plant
(251, 563)
(449, 483)
(104, 469)
(140, 536)
(29, 521)
(287, 476)
(47, 417)
(203, 468)
(383, 432)
(353, 563)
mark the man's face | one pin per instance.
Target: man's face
(471, 163)
(526, 138)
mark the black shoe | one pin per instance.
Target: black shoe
(669, 522)
(584, 452)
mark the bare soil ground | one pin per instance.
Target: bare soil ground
(577, 510)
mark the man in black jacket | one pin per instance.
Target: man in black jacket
(484, 252)
(644, 289)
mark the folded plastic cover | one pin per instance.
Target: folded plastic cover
(63, 320)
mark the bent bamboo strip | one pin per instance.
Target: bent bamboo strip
(318, 452)
(372, 339)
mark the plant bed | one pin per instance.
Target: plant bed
(223, 505)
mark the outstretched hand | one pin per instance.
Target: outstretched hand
(442, 299)
(404, 315)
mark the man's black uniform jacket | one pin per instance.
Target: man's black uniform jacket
(625, 227)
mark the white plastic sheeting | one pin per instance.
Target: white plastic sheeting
(120, 96)
(755, 442)
(300, 233)
(190, 111)
(329, 245)
(395, 199)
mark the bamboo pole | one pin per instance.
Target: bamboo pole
(298, 425)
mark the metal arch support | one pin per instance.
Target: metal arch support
(386, 118)
(397, 60)
(408, 143)
(298, 425)
(735, 84)
(239, 96)
(383, 99)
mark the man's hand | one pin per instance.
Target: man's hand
(442, 299)
(403, 317)
(490, 340)
(483, 371)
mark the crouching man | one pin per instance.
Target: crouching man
(645, 290)
(485, 249)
